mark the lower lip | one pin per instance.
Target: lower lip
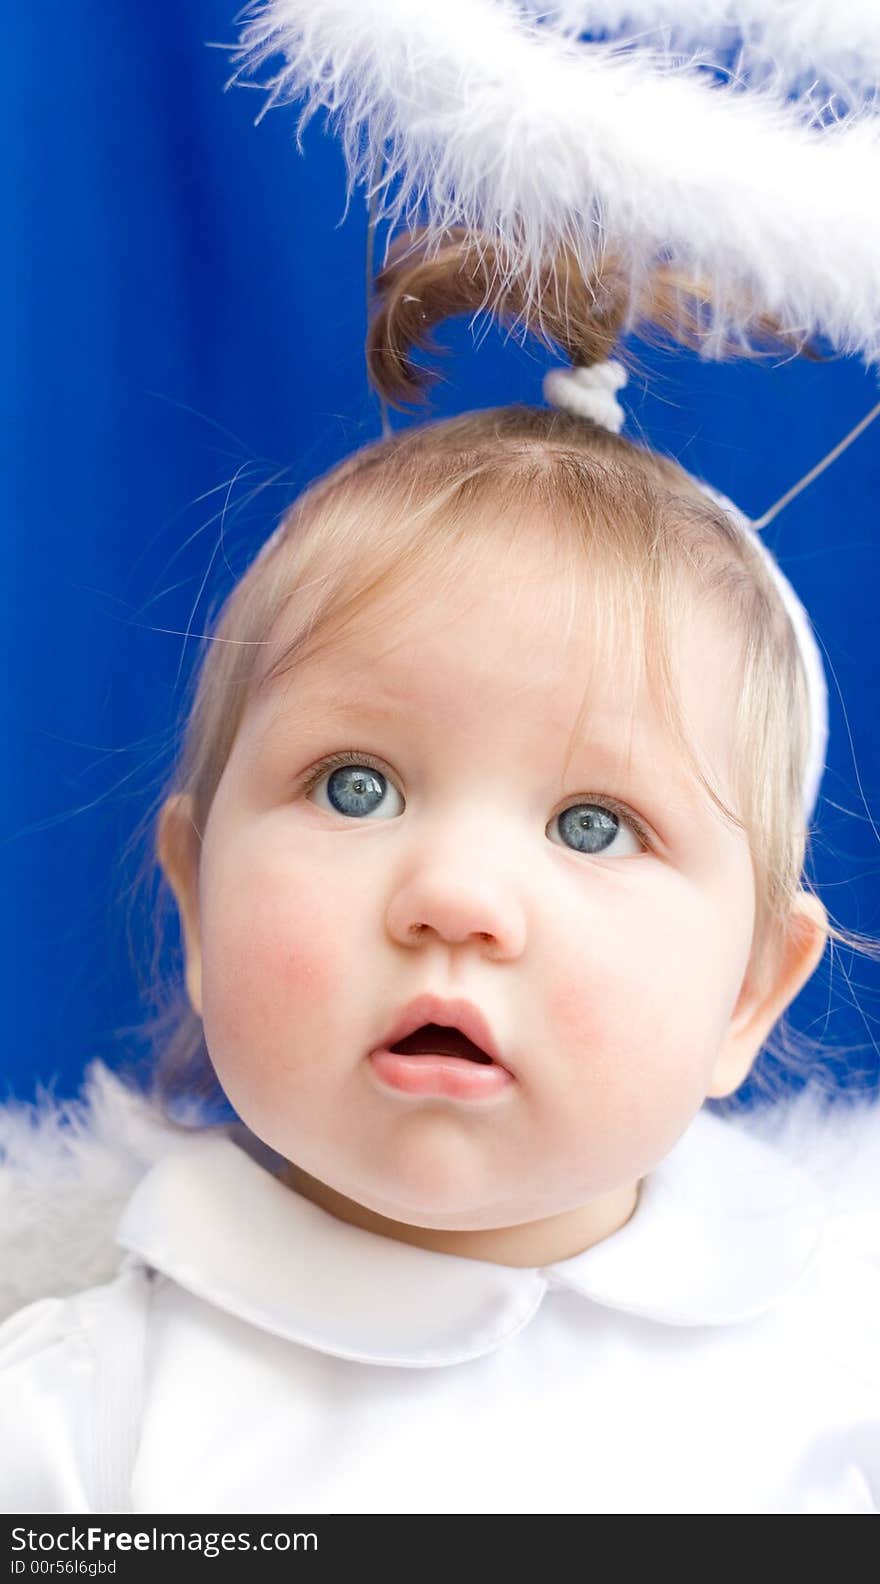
(452, 1076)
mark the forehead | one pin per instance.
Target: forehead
(519, 651)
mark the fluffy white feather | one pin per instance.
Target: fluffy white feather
(837, 1142)
(67, 1169)
(832, 46)
(485, 119)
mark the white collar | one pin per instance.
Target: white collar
(724, 1227)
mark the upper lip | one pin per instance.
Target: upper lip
(462, 1015)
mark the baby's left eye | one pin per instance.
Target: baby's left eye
(594, 828)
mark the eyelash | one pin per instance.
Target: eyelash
(349, 756)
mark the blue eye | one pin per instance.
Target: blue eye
(594, 828)
(355, 788)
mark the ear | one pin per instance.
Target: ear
(178, 845)
(761, 1005)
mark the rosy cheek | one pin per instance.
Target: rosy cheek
(595, 1024)
(273, 955)
(568, 1006)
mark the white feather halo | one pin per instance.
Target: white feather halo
(797, 44)
(482, 117)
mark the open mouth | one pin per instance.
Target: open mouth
(436, 1040)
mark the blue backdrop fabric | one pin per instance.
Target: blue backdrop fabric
(184, 350)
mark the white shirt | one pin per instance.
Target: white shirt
(719, 1353)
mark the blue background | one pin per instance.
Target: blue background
(183, 351)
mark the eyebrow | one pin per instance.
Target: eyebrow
(321, 707)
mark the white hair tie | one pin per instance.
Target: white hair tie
(589, 392)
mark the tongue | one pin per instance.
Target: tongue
(433, 1039)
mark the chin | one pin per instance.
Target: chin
(447, 1210)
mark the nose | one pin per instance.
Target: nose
(458, 905)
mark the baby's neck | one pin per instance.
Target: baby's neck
(534, 1244)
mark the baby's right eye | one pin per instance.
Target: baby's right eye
(355, 785)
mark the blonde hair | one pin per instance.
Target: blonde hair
(408, 512)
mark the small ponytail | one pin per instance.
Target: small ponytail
(422, 284)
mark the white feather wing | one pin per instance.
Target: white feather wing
(67, 1169)
(837, 1142)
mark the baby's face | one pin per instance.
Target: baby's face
(599, 913)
